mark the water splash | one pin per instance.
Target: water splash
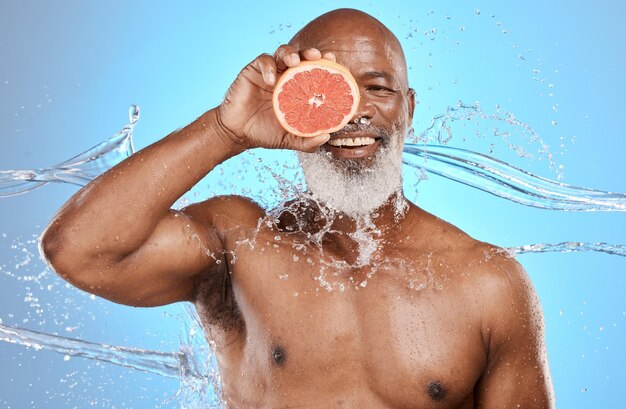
(79, 170)
(155, 362)
(464, 121)
(203, 391)
(506, 181)
(569, 247)
(194, 364)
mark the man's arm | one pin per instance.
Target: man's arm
(517, 373)
(118, 237)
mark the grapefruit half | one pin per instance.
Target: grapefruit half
(315, 97)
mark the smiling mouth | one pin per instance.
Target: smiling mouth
(354, 146)
(356, 142)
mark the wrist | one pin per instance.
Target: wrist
(217, 133)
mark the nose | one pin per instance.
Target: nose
(364, 113)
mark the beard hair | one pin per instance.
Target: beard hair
(357, 187)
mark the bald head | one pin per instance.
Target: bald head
(347, 30)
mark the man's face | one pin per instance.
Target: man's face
(376, 61)
(342, 174)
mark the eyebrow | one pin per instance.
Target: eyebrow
(378, 74)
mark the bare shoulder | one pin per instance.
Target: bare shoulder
(510, 312)
(226, 213)
(508, 297)
(501, 288)
(512, 326)
(498, 284)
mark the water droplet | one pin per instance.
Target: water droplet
(133, 114)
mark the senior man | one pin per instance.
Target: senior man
(349, 296)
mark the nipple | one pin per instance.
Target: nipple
(436, 390)
(279, 356)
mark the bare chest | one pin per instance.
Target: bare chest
(322, 333)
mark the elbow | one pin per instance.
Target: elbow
(59, 253)
(49, 245)
(69, 259)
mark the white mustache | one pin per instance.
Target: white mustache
(362, 128)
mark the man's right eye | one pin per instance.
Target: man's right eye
(380, 90)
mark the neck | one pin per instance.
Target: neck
(344, 234)
(384, 218)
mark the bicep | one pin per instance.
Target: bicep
(167, 266)
(161, 270)
(184, 248)
(517, 373)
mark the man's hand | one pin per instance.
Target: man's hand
(246, 116)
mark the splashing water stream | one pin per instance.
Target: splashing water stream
(155, 362)
(194, 363)
(79, 170)
(506, 181)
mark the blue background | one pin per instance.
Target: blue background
(70, 69)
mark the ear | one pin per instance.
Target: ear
(410, 94)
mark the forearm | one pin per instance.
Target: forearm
(116, 213)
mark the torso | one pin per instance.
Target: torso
(406, 334)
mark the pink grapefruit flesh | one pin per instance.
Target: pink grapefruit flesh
(315, 97)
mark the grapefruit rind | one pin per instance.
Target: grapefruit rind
(304, 66)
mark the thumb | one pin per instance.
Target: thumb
(311, 144)
(306, 144)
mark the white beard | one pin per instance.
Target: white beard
(350, 187)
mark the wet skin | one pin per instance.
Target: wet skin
(436, 319)
(415, 335)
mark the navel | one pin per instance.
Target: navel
(279, 356)
(436, 390)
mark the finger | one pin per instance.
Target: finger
(311, 144)
(311, 54)
(330, 56)
(305, 144)
(286, 56)
(267, 65)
